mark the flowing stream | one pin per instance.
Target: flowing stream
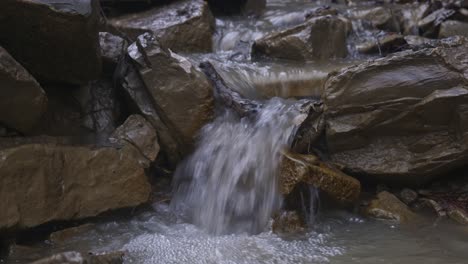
(225, 192)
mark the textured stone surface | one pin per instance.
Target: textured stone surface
(400, 118)
(46, 42)
(181, 98)
(185, 25)
(297, 168)
(387, 206)
(22, 100)
(319, 38)
(43, 182)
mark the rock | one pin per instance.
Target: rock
(24, 254)
(385, 44)
(182, 26)
(43, 182)
(453, 28)
(288, 222)
(429, 25)
(64, 235)
(400, 118)
(387, 206)
(297, 168)
(181, 96)
(408, 196)
(100, 106)
(73, 257)
(22, 100)
(46, 42)
(140, 134)
(379, 17)
(112, 48)
(318, 39)
(458, 215)
(320, 11)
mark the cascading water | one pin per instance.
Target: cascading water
(229, 184)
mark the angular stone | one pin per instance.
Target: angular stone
(318, 39)
(288, 222)
(22, 100)
(182, 26)
(46, 42)
(383, 45)
(43, 182)
(400, 118)
(453, 28)
(297, 168)
(112, 48)
(387, 206)
(181, 95)
(140, 134)
(64, 235)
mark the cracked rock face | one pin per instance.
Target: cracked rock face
(401, 118)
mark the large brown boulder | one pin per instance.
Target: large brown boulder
(317, 39)
(54, 40)
(182, 26)
(400, 118)
(42, 182)
(173, 95)
(22, 100)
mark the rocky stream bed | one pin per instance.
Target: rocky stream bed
(248, 131)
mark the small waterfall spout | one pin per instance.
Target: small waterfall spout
(229, 184)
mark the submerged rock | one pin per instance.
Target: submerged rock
(297, 168)
(319, 38)
(64, 235)
(400, 118)
(180, 97)
(46, 42)
(288, 222)
(387, 206)
(182, 26)
(43, 182)
(453, 28)
(22, 100)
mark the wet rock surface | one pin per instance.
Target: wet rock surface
(62, 236)
(49, 33)
(319, 38)
(43, 182)
(180, 97)
(296, 168)
(388, 43)
(451, 28)
(391, 118)
(137, 132)
(183, 26)
(388, 207)
(22, 100)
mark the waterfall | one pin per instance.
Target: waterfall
(229, 184)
